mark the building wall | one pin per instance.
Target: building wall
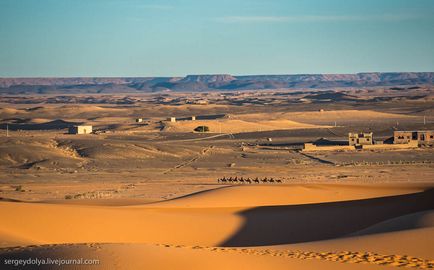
(425, 136)
(400, 137)
(411, 144)
(360, 138)
(309, 147)
(80, 130)
(422, 136)
(84, 129)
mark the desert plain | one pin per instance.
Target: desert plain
(146, 194)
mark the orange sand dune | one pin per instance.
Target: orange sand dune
(237, 126)
(270, 227)
(254, 195)
(254, 122)
(410, 234)
(148, 256)
(344, 114)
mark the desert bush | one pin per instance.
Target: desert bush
(202, 129)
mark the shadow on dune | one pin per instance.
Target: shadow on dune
(274, 225)
(52, 125)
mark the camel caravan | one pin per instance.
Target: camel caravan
(241, 180)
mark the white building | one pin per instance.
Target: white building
(80, 130)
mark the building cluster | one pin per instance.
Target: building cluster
(87, 129)
(174, 119)
(365, 140)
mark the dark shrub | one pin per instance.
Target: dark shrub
(202, 129)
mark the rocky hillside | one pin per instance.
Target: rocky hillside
(211, 82)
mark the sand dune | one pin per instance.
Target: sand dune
(148, 256)
(8, 112)
(39, 124)
(254, 122)
(416, 241)
(122, 118)
(251, 196)
(132, 194)
(236, 126)
(344, 114)
(413, 221)
(254, 219)
(71, 152)
(325, 115)
(102, 112)
(40, 152)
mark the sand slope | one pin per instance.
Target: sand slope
(237, 126)
(147, 256)
(269, 195)
(260, 227)
(344, 115)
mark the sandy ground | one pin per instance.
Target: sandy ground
(304, 226)
(146, 195)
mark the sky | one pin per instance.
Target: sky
(70, 38)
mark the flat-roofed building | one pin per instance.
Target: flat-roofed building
(406, 136)
(80, 129)
(400, 136)
(425, 136)
(360, 138)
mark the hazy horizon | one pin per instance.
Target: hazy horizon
(205, 74)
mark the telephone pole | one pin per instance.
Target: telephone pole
(7, 130)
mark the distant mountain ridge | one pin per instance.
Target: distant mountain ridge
(210, 82)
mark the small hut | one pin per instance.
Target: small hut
(80, 130)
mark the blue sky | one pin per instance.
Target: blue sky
(175, 38)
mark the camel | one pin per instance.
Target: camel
(248, 180)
